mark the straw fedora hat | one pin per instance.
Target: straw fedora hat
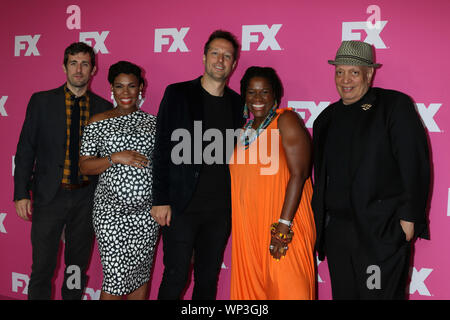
(354, 53)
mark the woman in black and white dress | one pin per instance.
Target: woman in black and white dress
(118, 145)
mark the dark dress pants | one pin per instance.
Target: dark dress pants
(355, 274)
(202, 235)
(71, 211)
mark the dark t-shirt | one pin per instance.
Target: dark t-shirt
(338, 158)
(213, 189)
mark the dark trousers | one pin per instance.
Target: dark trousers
(355, 274)
(71, 211)
(204, 235)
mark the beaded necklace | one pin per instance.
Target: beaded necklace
(250, 134)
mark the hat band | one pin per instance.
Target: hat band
(354, 57)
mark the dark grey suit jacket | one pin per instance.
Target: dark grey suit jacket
(39, 160)
(390, 170)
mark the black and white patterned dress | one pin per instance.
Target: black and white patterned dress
(126, 233)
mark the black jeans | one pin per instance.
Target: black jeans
(203, 235)
(70, 211)
(355, 274)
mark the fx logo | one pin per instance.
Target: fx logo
(20, 44)
(162, 37)
(372, 27)
(98, 38)
(314, 109)
(2, 226)
(269, 34)
(20, 280)
(427, 115)
(2, 106)
(418, 281)
(373, 33)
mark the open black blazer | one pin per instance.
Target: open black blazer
(181, 105)
(390, 171)
(39, 160)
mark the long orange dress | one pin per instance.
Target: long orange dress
(257, 201)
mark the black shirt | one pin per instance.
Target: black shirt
(213, 189)
(338, 158)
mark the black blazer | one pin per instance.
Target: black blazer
(39, 160)
(181, 105)
(390, 171)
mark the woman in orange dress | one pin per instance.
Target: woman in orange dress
(273, 231)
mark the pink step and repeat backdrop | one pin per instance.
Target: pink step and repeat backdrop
(166, 39)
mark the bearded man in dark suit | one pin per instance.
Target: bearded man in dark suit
(371, 181)
(46, 163)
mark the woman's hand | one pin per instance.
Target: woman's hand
(277, 248)
(130, 158)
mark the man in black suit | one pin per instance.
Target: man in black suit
(46, 163)
(371, 181)
(191, 196)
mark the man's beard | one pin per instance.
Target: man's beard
(78, 84)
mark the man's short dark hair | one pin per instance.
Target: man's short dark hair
(126, 68)
(78, 47)
(263, 72)
(221, 34)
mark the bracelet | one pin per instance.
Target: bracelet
(286, 222)
(110, 160)
(284, 238)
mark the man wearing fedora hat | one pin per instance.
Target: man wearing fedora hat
(371, 181)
